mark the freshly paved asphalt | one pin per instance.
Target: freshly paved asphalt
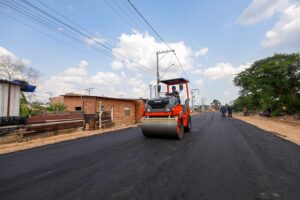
(219, 159)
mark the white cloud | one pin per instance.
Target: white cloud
(13, 61)
(286, 31)
(197, 71)
(76, 79)
(199, 82)
(5, 52)
(260, 10)
(141, 48)
(77, 71)
(201, 52)
(67, 80)
(117, 65)
(223, 70)
(105, 79)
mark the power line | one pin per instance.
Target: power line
(159, 36)
(151, 27)
(41, 20)
(48, 35)
(118, 13)
(134, 15)
(73, 22)
(124, 15)
(180, 65)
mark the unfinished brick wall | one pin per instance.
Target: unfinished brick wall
(86, 103)
(117, 107)
(124, 112)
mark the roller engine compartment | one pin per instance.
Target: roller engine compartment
(162, 104)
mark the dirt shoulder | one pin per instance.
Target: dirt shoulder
(287, 129)
(18, 146)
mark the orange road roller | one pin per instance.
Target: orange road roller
(166, 115)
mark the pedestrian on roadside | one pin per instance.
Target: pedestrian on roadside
(229, 111)
(223, 111)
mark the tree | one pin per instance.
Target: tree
(12, 68)
(15, 68)
(216, 104)
(57, 107)
(273, 82)
(27, 108)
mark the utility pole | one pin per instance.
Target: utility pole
(89, 90)
(150, 87)
(192, 92)
(157, 68)
(202, 101)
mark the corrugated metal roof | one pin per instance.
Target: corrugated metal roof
(6, 81)
(100, 97)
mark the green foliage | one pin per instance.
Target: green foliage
(23, 105)
(59, 107)
(27, 108)
(216, 104)
(36, 108)
(273, 82)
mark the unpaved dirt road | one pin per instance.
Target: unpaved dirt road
(219, 159)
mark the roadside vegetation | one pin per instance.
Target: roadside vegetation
(12, 68)
(35, 108)
(271, 84)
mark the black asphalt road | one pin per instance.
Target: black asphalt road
(219, 159)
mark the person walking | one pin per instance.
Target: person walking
(223, 111)
(229, 111)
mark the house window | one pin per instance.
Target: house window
(78, 108)
(126, 110)
(102, 109)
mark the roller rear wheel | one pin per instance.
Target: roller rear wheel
(180, 130)
(189, 125)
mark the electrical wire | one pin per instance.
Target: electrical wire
(118, 13)
(150, 26)
(157, 34)
(39, 20)
(50, 36)
(44, 23)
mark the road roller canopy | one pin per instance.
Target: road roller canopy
(174, 81)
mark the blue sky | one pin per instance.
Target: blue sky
(213, 39)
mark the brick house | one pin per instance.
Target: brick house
(123, 111)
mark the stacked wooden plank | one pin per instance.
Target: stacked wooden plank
(53, 122)
(106, 120)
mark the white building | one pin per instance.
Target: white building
(10, 94)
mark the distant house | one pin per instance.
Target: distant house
(123, 111)
(10, 94)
